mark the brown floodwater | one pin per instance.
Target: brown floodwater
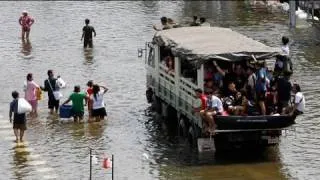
(57, 149)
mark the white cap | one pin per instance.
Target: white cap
(24, 12)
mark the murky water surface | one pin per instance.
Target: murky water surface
(59, 150)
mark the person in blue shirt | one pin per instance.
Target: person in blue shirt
(261, 86)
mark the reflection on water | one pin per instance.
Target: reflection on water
(95, 130)
(88, 55)
(26, 48)
(20, 159)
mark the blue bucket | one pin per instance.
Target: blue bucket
(65, 111)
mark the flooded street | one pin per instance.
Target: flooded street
(60, 150)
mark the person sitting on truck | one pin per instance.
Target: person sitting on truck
(164, 23)
(169, 65)
(172, 24)
(210, 86)
(200, 104)
(240, 104)
(214, 107)
(299, 101)
(231, 91)
(194, 22)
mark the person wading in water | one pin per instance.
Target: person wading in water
(19, 119)
(26, 22)
(87, 34)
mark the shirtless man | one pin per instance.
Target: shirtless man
(26, 22)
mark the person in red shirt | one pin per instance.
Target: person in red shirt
(201, 101)
(26, 22)
(89, 93)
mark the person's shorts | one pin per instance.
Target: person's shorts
(261, 95)
(77, 114)
(87, 42)
(52, 103)
(21, 126)
(34, 104)
(99, 112)
(26, 29)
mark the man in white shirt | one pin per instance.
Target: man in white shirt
(285, 46)
(299, 101)
(214, 107)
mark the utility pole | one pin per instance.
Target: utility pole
(292, 13)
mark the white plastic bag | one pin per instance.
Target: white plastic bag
(57, 95)
(23, 106)
(61, 83)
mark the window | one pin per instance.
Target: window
(188, 71)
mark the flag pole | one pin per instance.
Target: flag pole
(112, 166)
(90, 177)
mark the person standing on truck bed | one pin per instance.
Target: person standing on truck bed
(87, 34)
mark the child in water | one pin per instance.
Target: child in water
(19, 120)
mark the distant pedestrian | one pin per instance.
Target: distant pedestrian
(51, 85)
(31, 89)
(19, 120)
(98, 106)
(77, 98)
(87, 34)
(26, 22)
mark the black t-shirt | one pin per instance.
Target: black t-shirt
(17, 118)
(284, 89)
(228, 78)
(88, 30)
(47, 87)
